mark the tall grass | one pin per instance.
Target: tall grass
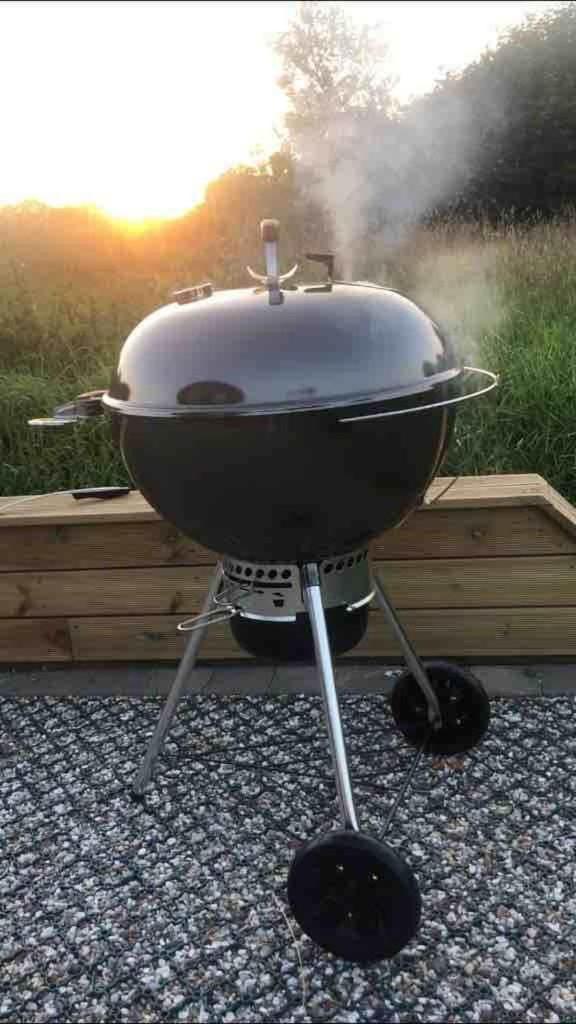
(508, 293)
(509, 296)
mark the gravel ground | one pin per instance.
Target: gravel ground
(175, 910)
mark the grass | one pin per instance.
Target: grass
(508, 294)
(57, 339)
(35, 461)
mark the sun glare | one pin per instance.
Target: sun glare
(133, 225)
(134, 210)
(142, 189)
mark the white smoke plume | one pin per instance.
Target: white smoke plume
(375, 175)
(376, 179)
(457, 284)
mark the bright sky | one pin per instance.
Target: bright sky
(135, 106)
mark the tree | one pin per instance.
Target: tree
(221, 235)
(331, 67)
(522, 102)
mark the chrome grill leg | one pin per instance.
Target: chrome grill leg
(313, 601)
(167, 714)
(415, 666)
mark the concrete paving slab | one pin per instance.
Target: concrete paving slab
(369, 679)
(509, 680)
(558, 679)
(295, 679)
(155, 680)
(100, 681)
(244, 679)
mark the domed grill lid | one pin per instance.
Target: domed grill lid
(280, 349)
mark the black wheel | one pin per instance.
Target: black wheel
(354, 896)
(464, 706)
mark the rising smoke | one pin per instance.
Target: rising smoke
(457, 284)
(376, 179)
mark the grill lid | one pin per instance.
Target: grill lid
(274, 349)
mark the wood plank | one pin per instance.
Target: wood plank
(103, 592)
(145, 638)
(469, 533)
(101, 545)
(481, 633)
(501, 489)
(34, 641)
(508, 489)
(60, 508)
(561, 510)
(432, 583)
(433, 533)
(450, 633)
(481, 582)
(464, 492)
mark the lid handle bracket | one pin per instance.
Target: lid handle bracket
(327, 258)
(272, 279)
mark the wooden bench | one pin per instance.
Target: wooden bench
(486, 569)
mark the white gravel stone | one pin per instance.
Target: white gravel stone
(176, 911)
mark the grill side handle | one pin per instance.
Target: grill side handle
(83, 407)
(490, 381)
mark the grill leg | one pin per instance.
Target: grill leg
(313, 601)
(415, 666)
(168, 711)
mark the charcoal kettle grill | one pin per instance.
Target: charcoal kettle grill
(286, 426)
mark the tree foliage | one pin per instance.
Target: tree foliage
(213, 241)
(521, 103)
(331, 66)
(498, 136)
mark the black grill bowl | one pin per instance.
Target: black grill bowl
(294, 487)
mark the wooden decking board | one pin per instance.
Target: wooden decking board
(34, 640)
(63, 508)
(434, 533)
(481, 633)
(440, 533)
(116, 545)
(439, 583)
(560, 509)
